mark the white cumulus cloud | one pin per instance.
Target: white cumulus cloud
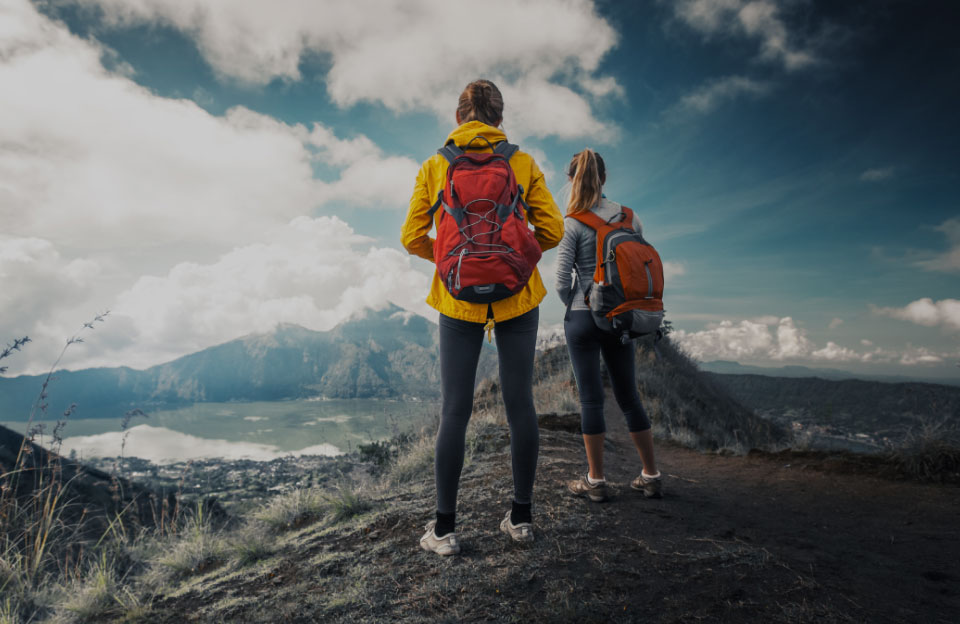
(313, 272)
(106, 189)
(408, 55)
(835, 353)
(775, 339)
(927, 312)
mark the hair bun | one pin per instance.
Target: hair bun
(481, 101)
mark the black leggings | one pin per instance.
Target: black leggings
(460, 344)
(586, 343)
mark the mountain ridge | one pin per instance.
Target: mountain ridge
(381, 353)
(730, 367)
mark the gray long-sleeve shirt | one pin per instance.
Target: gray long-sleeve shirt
(578, 249)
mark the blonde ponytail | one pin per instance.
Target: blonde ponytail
(587, 174)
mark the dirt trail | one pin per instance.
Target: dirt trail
(735, 539)
(874, 549)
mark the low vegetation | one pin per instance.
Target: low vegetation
(684, 405)
(60, 563)
(929, 452)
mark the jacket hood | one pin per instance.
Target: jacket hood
(463, 134)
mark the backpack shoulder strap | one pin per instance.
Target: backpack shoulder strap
(450, 151)
(627, 216)
(507, 150)
(602, 228)
(590, 219)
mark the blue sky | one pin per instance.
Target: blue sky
(795, 162)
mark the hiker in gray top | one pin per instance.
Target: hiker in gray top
(578, 250)
(587, 343)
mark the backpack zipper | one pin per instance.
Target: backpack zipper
(463, 252)
(646, 267)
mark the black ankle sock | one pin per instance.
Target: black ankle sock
(445, 523)
(520, 513)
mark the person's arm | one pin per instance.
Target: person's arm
(415, 233)
(637, 226)
(544, 215)
(566, 256)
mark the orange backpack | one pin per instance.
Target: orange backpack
(626, 297)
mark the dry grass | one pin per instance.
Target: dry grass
(195, 549)
(250, 544)
(415, 461)
(292, 509)
(345, 503)
(686, 406)
(929, 452)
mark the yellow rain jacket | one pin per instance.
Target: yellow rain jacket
(544, 216)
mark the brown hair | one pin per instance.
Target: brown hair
(587, 174)
(480, 101)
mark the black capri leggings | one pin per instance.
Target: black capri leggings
(460, 344)
(586, 343)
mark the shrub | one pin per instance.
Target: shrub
(346, 503)
(292, 509)
(250, 544)
(196, 549)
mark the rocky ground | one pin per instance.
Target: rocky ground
(761, 538)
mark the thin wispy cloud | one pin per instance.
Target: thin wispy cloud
(877, 175)
(949, 260)
(757, 20)
(717, 92)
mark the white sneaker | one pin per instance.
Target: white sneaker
(446, 545)
(522, 532)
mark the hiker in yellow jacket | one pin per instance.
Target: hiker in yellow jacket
(514, 320)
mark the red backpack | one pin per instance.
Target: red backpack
(626, 297)
(484, 250)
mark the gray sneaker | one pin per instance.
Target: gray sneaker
(651, 487)
(446, 545)
(581, 487)
(522, 532)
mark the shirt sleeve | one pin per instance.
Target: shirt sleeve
(544, 215)
(415, 233)
(566, 256)
(637, 226)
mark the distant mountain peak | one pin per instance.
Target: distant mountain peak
(388, 311)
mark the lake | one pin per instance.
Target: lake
(256, 430)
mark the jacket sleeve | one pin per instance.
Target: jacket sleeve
(544, 215)
(566, 256)
(415, 233)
